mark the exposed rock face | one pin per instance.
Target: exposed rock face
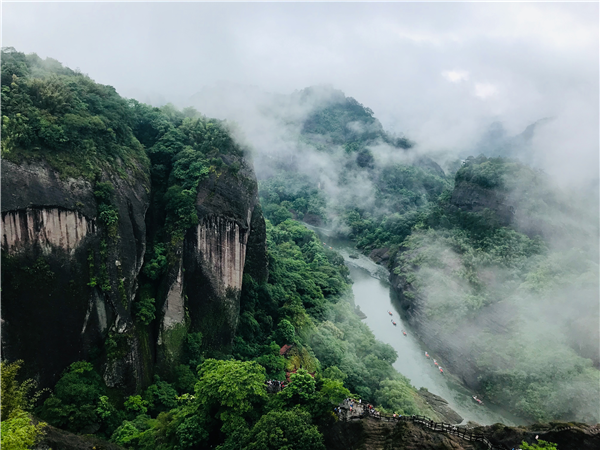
(222, 248)
(46, 227)
(441, 407)
(215, 252)
(52, 312)
(229, 240)
(57, 439)
(371, 434)
(174, 308)
(380, 256)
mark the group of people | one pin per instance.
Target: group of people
(350, 407)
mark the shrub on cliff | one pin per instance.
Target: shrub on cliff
(283, 430)
(73, 405)
(17, 430)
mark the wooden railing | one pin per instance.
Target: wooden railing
(435, 426)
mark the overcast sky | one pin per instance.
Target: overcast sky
(439, 72)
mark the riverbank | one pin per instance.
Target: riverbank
(373, 296)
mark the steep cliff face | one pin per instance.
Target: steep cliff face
(204, 292)
(46, 227)
(216, 251)
(66, 285)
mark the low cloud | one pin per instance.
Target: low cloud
(485, 90)
(455, 76)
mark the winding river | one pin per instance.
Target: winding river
(373, 295)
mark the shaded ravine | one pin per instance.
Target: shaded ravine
(373, 295)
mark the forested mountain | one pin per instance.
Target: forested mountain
(492, 263)
(144, 288)
(157, 319)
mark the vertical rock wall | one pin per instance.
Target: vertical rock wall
(46, 227)
(54, 310)
(215, 253)
(222, 249)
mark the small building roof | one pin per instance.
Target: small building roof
(283, 350)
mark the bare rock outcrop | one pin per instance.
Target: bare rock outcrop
(63, 280)
(228, 241)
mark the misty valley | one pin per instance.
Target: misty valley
(268, 271)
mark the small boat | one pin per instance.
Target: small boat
(441, 370)
(477, 400)
(394, 323)
(390, 313)
(404, 333)
(427, 354)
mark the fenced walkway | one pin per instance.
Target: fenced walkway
(360, 411)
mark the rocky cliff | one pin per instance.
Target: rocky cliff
(66, 284)
(372, 434)
(204, 287)
(70, 282)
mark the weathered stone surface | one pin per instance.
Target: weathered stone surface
(372, 434)
(215, 252)
(32, 185)
(46, 227)
(50, 253)
(222, 247)
(67, 315)
(174, 308)
(380, 256)
(57, 439)
(441, 407)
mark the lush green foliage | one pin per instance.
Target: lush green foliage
(285, 430)
(305, 302)
(402, 198)
(18, 433)
(345, 121)
(144, 308)
(73, 405)
(539, 445)
(77, 125)
(16, 398)
(457, 265)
